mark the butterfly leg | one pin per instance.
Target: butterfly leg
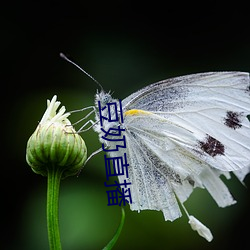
(82, 128)
(86, 116)
(91, 155)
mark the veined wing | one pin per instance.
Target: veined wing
(161, 168)
(213, 106)
(177, 93)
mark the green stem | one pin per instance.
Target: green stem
(117, 234)
(54, 177)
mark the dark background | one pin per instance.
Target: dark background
(125, 46)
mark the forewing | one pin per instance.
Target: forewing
(176, 93)
(213, 107)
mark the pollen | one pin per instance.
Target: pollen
(137, 112)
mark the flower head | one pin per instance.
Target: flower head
(55, 143)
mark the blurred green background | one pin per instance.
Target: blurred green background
(125, 47)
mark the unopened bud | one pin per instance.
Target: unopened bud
(55, 143)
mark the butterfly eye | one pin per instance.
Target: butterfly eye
(106, 99)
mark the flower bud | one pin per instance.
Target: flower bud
(55, 144)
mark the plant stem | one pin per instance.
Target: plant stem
(54, 177)
(117, 234)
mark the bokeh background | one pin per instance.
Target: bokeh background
(125, 46)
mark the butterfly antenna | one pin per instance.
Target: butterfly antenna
(90, 76)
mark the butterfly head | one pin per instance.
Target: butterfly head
(102, 97)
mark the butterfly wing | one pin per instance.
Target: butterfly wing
(213, 106)
(182, 133)
(161, 168)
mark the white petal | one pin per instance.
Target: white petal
(200, 228)
(48, 113)
(51, 114)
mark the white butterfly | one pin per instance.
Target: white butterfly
(183, 133)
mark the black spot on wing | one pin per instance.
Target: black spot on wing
(233, 119)
(212, 146)
(248, 117)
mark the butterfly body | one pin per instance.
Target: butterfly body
(182, 133)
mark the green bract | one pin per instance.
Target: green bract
(55, 143)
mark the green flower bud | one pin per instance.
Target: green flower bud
(55, 144)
